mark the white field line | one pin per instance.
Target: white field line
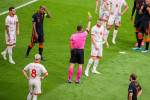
(19, 6)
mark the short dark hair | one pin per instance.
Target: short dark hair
(79, 27)
(134, 76)
(11, 8)
(41, 6)
(100, 19)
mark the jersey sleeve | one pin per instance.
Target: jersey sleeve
(7, 22)
(17, 19)
(44, 71)
(133, 10)
(27, 67)
(130, 88)
(125, 4)
(34, 18)
(86, 33)
(93, 31)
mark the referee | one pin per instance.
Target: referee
(77, 42)
(134, 90)
(38, 33)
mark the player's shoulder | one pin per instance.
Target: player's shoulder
(34, 15)
(94, 27)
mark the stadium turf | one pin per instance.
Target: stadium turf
(115, 68)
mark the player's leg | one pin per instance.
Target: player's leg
(70, 72)
(41, 41)
(29, 96)
(79, 72)
(33, 41)
(140, 37)
(34, 97)
(115, 34)
(10, 54)
(37, 88)
(136, 32)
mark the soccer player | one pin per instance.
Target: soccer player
(115, 16)
(77, 42)
(38, 33)
(35, 70)
(144, 26)
(97, 34)
(103, 13)
(138, 17)
(11, 23)
(134, 90)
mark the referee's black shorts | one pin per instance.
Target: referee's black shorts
(77, 56)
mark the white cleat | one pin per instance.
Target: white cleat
(86, 73)
(95, 72)
(103, 42)
(4, 55)
(113, 42)
(11, 61)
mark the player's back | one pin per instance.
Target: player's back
(35, 70)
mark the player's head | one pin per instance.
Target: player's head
(41, 9)
(80, 28)
(132, 77)
(147, 2)
(38, 57)
(12, 10)
(100, 22)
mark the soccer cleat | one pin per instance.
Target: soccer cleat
(137, 48)
(68, 81)
(144, 51)
(11, 61)
(142, 44)
(103, 42)
(113, 42)
(27, 56)
(4, 55)
(86, 73)
(78, 82)
(136, 44)
(95, 72)
(43, 59)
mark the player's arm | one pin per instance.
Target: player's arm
(106, 6)
(7, 30)
(48, 14)
(34, 29)
(71, 46)
(139, 93)
(93, 40)
(126, 8)
(130, 96)
(141, 10)
(105, 41)
(45, 75)
(89, 23)
(17, 24)
(97, 2)
(133, 10)
(25, 74)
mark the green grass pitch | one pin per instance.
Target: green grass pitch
(115, 68)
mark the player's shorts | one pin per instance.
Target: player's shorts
(12, 39)
(35, 86)
(114, 19)
(96, 53)
(145, 27)
(77, 56)
(40, 38)
(104, 14)
(137, 22)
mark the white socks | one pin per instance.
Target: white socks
(29, 96)
(34, 97)
(5, 51)
(89, 64)
(115, 34)
(10, 51)
(96, 61)
(107, 33)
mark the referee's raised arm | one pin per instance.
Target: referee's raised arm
(89, 23)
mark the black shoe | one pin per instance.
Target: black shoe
(27, 55)
(68, 81)
(78, 82)
(43, 59)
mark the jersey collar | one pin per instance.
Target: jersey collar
(11, 15)
(98, 26)
(36, 62)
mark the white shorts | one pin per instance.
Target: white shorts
(35, 86)
(12, 39)
(96, 53)
(104, 14)
(114, 19)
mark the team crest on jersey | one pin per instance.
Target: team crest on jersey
(38, 20)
